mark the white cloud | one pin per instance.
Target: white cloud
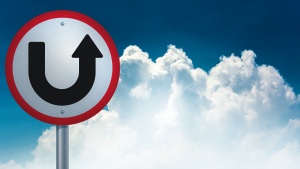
(141, 91)
(166, 114)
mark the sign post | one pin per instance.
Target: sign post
(62, 147)
(62, 68)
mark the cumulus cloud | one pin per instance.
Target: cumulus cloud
(166, 114)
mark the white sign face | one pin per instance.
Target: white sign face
(65, 67)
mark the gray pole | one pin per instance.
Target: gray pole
(62, 147)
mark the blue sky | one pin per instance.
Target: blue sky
(205, 30)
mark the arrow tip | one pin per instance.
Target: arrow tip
(87, 48)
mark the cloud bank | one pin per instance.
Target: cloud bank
(166, 114)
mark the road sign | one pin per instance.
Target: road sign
(62, 67)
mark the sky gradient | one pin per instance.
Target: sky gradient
(205, 30)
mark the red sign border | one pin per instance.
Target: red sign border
(115, 67)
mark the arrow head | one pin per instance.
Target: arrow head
(87, 49)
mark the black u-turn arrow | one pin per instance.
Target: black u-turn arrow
(87, 52)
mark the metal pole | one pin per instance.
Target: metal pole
(62, 147)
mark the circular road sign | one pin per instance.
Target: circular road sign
(62, 67)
